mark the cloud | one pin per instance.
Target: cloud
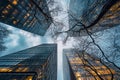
(19, 40)
(30, 39)
(12, 40)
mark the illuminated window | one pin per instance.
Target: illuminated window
(29, 78)
(5, 11)
(8, 6)
(25, 69)
(15, 2)
(14, 22)
(21, 69)
(97, 62)
(77, 74)
(115, 7)
(26, 16)
(5, 70)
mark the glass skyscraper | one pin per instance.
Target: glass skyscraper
(84, 66)
(36, 63)
(91, 14)
(29, 15)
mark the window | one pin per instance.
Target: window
(14, 22)
(5, 70)
(26, 16)
(22, 69)
(15, 2)
(29, 78)
(5, 11)
(8, 6)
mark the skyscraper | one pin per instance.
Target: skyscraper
(84, 66)
(29, 15)
(36, 63)
(95, 15)
(68, 73)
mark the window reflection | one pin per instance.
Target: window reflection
(8, 6)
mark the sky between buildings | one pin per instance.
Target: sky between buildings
(20, 40)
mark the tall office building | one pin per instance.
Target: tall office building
(96, 15)
(68, 73)
(84, 66)
(29, 15)
(36, 63)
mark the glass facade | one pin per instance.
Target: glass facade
(87, 12)
(66, 68)
(24, 14)
(87, 67)
(39, 62)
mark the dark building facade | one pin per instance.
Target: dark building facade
(84, 66)
(36, 63)
(29, 15)
(92, 14)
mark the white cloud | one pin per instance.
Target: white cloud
(33, 41)
(30, 39)
(12, 40)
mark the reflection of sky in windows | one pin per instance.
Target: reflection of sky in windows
(9, 63)
(14, 59)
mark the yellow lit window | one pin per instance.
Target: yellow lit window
(27, 15)
(29, 78)
(25, 69)
(19, 69)
(97, 61)
(8, 6)
(5, 70)
(5, 11)
(115, 7)
(14, 22)
(77, 74)
(15, 2)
